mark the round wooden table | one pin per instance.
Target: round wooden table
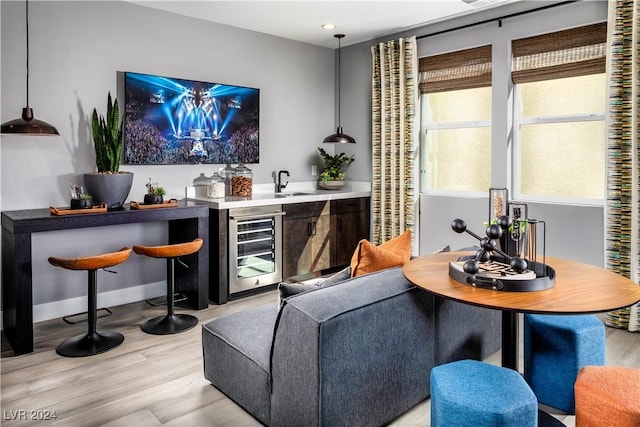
(579, 289)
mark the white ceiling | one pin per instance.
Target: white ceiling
(301, 20)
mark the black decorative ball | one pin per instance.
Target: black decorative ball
(471, 266)
(488, 244)
(483, 256)
(458, 225)
(494, 231)
(518, 265)
(504, 221)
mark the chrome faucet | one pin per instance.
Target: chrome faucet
(279, 185)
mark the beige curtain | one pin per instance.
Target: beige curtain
(622, 215)
(394, 103)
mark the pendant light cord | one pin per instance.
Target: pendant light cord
(339, 137)
(339, 37)
(339, 80)
(27, 26)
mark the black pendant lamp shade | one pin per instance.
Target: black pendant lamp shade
(339, 136)
(27, 124)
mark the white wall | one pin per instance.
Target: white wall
(76, 50)
(573, 232)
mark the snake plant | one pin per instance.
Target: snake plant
(107, 137)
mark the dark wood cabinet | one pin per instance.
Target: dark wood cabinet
(322, 235)
(352, 225)
(306, 238)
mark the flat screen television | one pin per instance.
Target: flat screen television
(170, 121)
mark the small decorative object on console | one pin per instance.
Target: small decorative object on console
(493, 268)
(154, 194)
(80, 199)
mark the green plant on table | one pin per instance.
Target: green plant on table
(159, 191)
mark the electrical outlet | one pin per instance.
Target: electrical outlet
(314, 170)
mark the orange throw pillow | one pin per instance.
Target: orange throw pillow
(369, 258)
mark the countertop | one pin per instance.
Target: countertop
(295, 192)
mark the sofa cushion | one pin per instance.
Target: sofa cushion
(236, 351)
(369, 258)
(336, 278)
(286, 290)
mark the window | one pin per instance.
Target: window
(559, 139)
(456, 121)
(558, 119)
(457, 136)
(559, 111)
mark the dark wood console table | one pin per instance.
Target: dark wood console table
(185, 222)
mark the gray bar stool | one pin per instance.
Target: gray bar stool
(170, 323)
(94, 341)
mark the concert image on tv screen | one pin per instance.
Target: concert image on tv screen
(176, 121)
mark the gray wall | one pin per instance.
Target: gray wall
(77, 48)
(76, 51)
(574, 232)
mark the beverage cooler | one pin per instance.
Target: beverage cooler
(255, 247)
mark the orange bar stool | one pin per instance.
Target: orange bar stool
(170, 323)
(94, 341)
(607, 395)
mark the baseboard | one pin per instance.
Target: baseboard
(56, 309)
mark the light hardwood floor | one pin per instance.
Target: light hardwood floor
(157, 380)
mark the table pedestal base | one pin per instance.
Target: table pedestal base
(510, 326)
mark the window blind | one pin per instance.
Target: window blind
(568, 53)
(462, 69)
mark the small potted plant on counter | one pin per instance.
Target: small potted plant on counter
(333, 175)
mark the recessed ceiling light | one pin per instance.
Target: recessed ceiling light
(328, 26)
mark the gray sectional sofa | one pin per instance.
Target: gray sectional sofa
(357, 353)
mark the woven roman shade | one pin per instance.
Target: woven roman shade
(462, 69)
(569, 53)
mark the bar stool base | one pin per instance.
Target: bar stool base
(90, 344)
(169, 324)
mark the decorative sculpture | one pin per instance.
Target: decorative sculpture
(493, 268)
(489, 244)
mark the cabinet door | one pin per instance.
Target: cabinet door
(322, 235)
(321, 243)
(296, 246)
(307, 245)
(351, 227)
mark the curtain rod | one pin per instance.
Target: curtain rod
(499, 19)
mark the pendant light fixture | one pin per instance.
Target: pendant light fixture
(339, 137)
(27, 124)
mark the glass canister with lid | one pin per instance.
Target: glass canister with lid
(215, 189)
(227, 174)
(242, 181)
(200, 183)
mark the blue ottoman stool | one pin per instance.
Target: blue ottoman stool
(555, 349)
(472, 393)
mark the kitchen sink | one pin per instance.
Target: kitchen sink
(292, 193)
